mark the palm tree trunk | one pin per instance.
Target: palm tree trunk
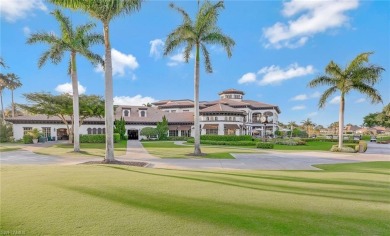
(13, 104)
(197, 150)
(76, 113)
(341, 121)
(109, 107)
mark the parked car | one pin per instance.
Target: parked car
(373, 139)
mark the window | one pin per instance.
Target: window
(99, 131)
(26, 130)
(216, 118)
(211, 131)
(230, 118)
(94, 131)
(173, 111)
(143, 113)
(104, 130)
(230, 132)
(226, 118)
(46, 131)
(186, 133)
(89, 131)
(207, 118)
(173, 133)
(234, 118)
(126, 113)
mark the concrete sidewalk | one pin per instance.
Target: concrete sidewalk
(136, 151)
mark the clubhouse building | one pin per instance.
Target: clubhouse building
(229, 115)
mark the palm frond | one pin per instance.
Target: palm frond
(207, 61)
(186, 17)
(187, 50)
(367, 74)
(207, 16)
(369, 91)
(218, 38)
(43, 58)
(93, 39)
(324, 97)
(358, 61)
(322, 80)
(65, 25)
(334, 70)
(94, 58)
(49, 38)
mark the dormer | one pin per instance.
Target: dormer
(232, 94)
(126, 112)
(142, 112)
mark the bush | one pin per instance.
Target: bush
(226, 137)
(335, 148)
(97, 138)
(364, 143)
(177, 138)
(227, 143)
(289, 142)
(117, 137)
(265, 145)
(328, 140)
(6, 134)
(27, 139)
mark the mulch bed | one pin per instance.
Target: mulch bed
(127, 163)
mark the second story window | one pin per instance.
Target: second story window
(143, 113)
(126, 112)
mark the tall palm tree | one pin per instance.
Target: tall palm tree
(359, 75)
(197, 34)
(105, 11)
(291, 125)
(76, 41)
(13, 83)
(307, 125)
(3, 85)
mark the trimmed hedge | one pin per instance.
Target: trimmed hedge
(289, 142)
(27, 139)
(226, 137)
(328, 140)
(335, 148)
(364, 143)
(97, 138)
(265, 145)
(227, 143)
(177, 138)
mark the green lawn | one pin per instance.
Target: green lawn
(347, 199)
(171, 150)
(87, 149)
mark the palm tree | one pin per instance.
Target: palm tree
(76, 41)
(13, 83)
(3, 85)
(307, 125)
(359, 75)
(291, 125)
(334, 127)
(197, 35)
(2, 63)
(105, 11)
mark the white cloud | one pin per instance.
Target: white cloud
(26, 31)
(311, 17)
(360, 100)
(300, 97)
(275, 75)
(156, 48)
(13, 10)
(301, 107)
(137, 100)
(177, 58)
(247, 78)
(67, 88)
(312, 113)
(335, 100)
(121, 63)
(315, 95)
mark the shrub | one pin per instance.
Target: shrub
(117, 137)
(289, 142)
(226, 137)
(177, 138)
(227, 143)
(265, 145)
(335, 148)
(364, 143)
(328, 140)
(97, 138)
(27, 139)
(6, 134)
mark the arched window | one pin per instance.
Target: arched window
(216, 118)
(207, 118)
(94, 131)
(99, 131)
(104, 130)
(89, 130)
(230, 118)
(143, 113)
(126, 113)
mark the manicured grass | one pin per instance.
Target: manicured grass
(118, 200)
(7, 147)
(171, 150)
(87, 150)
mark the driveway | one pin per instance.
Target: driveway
(376, 148)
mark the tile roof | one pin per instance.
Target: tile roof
(219, 107)
(231, 91)
(153, 115)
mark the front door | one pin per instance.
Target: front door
(132, 134)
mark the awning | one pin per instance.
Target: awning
(210, 126)
(179, 127)
(231, 126)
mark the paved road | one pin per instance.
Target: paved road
(271, 160)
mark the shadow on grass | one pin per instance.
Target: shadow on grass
(243, 217)
(348, 194)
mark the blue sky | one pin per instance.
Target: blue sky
(280, 47)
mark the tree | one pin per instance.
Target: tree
(370, 120)
(197, 34)
(334, 127)
(149, 132)
(4, 81)
(61, 106)
(379, 118)
(13, 83)
(307, 125)
(291, 125)
(359, 75)
(76, 41)
(162, 129)
(105, 11)
(120, 128)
